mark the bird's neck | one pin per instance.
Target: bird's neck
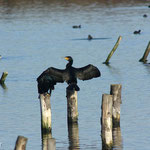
(69, 64)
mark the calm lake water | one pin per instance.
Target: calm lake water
(35, 35)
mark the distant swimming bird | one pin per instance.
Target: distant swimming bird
(144, 15)
(90, 37)
(76, 26)
(137, 32)
(51, 76)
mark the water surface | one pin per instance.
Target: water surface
(37, 34)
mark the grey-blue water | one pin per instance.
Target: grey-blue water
(35, 35)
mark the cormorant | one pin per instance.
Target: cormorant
(90, 37)
(51, 76)
(144, 15)
(137, 32)
(76, 26)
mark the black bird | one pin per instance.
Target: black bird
(90, 37)
(144, 15)
(76, 26)
(51, 76)
(137, 32)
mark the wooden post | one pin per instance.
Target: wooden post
(72, 106)
(106, 121)
(73, 134)
(45, 113)
(3, 77)
(48, 143)
(112, 51)
(3, 86)
(21, 143)
(115, 90)
(143, 59)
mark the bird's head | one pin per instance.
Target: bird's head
(69, 58)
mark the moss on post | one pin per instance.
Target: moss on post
(112, 51)
(45, 126)
(45, 113)
(144, 58)
(3, 77)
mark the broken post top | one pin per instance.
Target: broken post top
(106, 98)
(21, 143)
(146, 53)
(115, 90)
(107, 101)
(3, 77)
(115, 87)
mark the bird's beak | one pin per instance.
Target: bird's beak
(66, 58)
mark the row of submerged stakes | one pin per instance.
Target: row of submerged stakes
(110, 108)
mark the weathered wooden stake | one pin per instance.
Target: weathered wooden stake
(3, 86)
(48, 143)
(112, 51)
(115, 90)
(21, 143)
(45, 113)
(106, 120)
(72, 106)
(3, 77)
(144, 58)
(73, 134)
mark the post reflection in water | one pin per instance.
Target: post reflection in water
(73, 136)
(48, 143)
(117, 139)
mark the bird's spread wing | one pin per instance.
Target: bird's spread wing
(53, 73)
(49, 78)
(87, 72)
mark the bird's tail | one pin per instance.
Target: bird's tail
(45, 83)
(73, 86)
